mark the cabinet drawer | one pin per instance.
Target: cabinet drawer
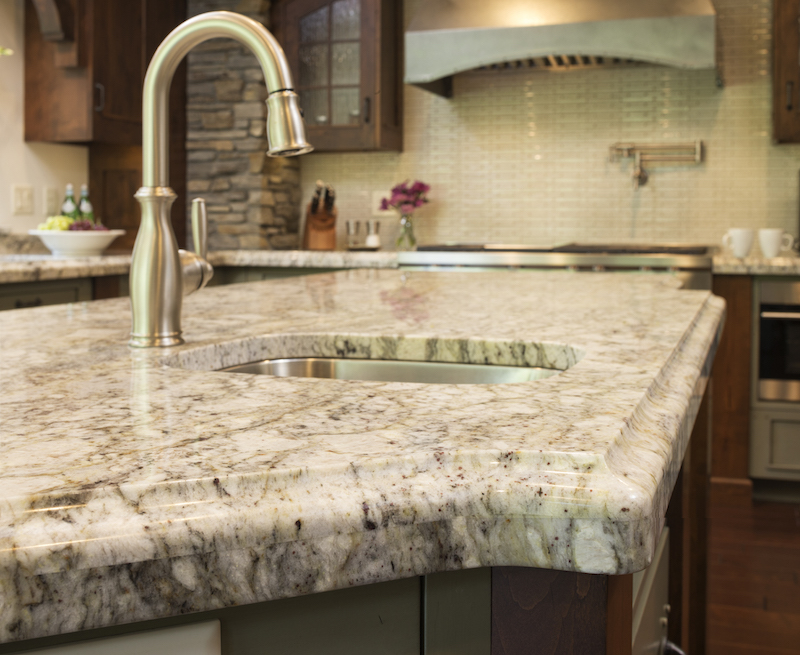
(775, 445)
(195, 639)
(39, 294)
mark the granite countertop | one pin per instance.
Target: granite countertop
(35, 267)
(730, 265)
(139, 483)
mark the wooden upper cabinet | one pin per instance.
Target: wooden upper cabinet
(786, 71)
(346, 61)
(84, 85)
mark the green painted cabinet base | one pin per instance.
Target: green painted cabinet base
(439, 614)
(237, 274)
(38, 294)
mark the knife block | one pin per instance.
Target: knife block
(320, 229)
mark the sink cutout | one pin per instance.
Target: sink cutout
(381, 370)
(383, 358)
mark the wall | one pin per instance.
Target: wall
(522, 156)
(253, 200)
(35, 164)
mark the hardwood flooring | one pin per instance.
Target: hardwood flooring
(753, 577)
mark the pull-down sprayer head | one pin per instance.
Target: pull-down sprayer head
(285, 128)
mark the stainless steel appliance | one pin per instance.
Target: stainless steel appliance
(690, 263)
(775, 394)
(779, 341)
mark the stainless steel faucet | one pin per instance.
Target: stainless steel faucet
(161, 274)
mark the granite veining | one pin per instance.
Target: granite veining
(730, 265)
(35, 267)
(143, 483)
(304, 258)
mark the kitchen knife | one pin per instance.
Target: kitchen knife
(316, 198)
(330, 198)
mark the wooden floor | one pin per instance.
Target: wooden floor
(753, 577)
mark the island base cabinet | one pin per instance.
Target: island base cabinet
(39, 294)
(194, 639)
(566, 613)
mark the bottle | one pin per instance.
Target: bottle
(69, 207)
(85, 206)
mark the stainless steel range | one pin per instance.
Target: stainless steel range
(690, 263)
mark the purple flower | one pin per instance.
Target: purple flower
(405, 198)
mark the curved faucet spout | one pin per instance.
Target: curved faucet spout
(212, 25)
(157, 275)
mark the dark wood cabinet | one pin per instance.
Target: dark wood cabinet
(95, 96)
(85, 62)
(786, 71)
(346, 60)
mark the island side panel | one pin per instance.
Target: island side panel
(557, 612)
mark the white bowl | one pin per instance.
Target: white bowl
(77, 243)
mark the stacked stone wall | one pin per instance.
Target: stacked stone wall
(253, 200)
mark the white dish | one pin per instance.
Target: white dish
(78, 243)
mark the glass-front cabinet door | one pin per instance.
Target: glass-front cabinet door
(344, 56)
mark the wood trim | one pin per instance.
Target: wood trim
(696, 482)
(560, 612)
(620, 615)
(730, 450)
(785, 71)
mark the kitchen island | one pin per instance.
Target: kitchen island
(138, 484)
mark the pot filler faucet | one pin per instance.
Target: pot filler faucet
(161, 274)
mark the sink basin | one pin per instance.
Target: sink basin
(381, 370)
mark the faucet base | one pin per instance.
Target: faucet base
(156, 342)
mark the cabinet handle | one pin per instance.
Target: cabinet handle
(367, 108)
(101, 88)
(20, 304)
(786, 316)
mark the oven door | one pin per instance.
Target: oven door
(779, 345)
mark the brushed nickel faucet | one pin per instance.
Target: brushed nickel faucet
(161, 274)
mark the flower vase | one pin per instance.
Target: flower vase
(406, 239)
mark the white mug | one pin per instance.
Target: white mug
(773, 240)
(739, 240)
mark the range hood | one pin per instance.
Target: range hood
(446, 37)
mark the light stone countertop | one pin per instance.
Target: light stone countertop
(136, 484)
(730, 265)
(36, 267)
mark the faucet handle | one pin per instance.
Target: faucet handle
(196, 270)
(200, 227)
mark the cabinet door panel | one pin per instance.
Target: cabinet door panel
(344, 59)
(58, 101)
(786, 71)
(118, 71)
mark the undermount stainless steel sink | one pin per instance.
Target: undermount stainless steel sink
(381, 370)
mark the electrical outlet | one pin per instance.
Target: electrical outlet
(51, 207)
(21, 199)
(377, 196)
